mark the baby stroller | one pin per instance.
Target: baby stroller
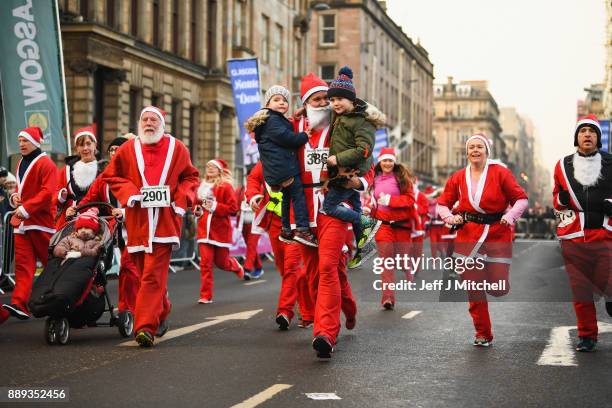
(73, 294)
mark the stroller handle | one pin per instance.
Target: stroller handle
(94, 204)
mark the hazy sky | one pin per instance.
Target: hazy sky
(537, 55)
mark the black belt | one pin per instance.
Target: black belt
(482, 218)
(312, 185)
(397, 224)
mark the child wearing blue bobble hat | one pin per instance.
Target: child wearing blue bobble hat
(352, 142)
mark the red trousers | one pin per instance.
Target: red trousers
(129, 282)
(152, 303)
(213, 255)
(294, 283)
(416, 249)
(496, 245)
(252, 260)
(329, 285)
(588, 262)
(391, 241)
(29, 247)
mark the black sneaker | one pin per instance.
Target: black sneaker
(586, 344)
(322, 346)
(286, 237)
(609, 308)
(283, 322)
(162, 328)
(482, 342)
(16, 311)
(144, 339)
(306, 238)
(388, 305)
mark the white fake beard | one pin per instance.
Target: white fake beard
(146, 139)
(205, 189)
(587, 170)
(84, 173)
(318, 118)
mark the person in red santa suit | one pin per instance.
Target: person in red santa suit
(77, 176)
(484, 189)
(582, 198)
(154, 181)
(129, 280)
(32, 220)
(218, 203)
(437, 228)
(393, 203)
(419, 221)
(253, 268)
(325, 266)
(287, 256)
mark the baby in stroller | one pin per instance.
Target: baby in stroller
(84, 240)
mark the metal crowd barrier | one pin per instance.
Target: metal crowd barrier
(182, 254)
(7, 269)
(536, 227)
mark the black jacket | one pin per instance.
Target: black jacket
(277, 144)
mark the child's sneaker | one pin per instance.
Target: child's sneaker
(369, 227)
(144, 339)
(306, 238)
(287, 237)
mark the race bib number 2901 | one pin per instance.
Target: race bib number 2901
(155, 196)
(316, 159)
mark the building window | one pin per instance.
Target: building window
(240, 21)
(280, 46)
(297, 52)
(211, 36)
(175, 26)
(135, 108)
(327, 72)
(84, 9)
(156, 23)
(327, 29)
(156, 100)
(265, 40)
(110, 13)
(193, 128)
(134, 18)
(177, 126)
(193, 32)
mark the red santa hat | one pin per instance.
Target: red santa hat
(89, 219)
(33, 135)
(219, 163)
(429, 190)
(85, 131)
(482, 138)
(387, 153)
(158, 112)
(589, 120)
(311, 84)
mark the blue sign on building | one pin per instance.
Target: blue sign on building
(605, 135)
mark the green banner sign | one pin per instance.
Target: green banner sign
(31, 77)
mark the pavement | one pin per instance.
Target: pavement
(231, 352)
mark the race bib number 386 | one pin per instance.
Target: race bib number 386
(316, 159)
(155, 196)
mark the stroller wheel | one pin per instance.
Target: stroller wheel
(63, 331)
(50, 331)
(126, 323)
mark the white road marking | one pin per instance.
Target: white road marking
(412, 314)
(257, 282)
(190, 329)
(263, 396)
(560, 349)
(323, 396)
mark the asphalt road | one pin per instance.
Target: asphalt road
(418, 355)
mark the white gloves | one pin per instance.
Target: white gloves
(384, 199)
